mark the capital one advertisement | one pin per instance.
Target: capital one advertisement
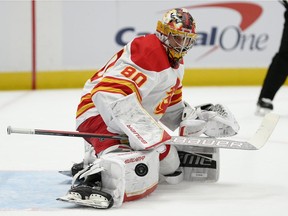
(230, 33)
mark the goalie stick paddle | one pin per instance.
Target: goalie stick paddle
(258, 140)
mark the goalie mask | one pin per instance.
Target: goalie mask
(177, 32)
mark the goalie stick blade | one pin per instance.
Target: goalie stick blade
(265, 130)
(256, 142)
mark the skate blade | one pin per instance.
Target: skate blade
(98, 204)
(66, 173)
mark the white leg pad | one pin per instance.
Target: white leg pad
(89, 154)
(127, 176)
(171, 161)
(200, 164)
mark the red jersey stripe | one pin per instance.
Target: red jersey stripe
(116, 85)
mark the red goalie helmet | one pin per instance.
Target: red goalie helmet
(177, 32)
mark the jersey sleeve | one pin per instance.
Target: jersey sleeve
(173, 116)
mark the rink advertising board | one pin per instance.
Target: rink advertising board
(236, 39)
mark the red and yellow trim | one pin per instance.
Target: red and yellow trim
(117, 85)
(140, 194)
(85, 104)
(177, 97)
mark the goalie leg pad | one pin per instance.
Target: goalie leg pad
(136, 177)
(169, 160)
(89, 154)
(128, 176)
(200, 164)
(124, 177)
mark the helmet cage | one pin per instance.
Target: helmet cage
(178, 42)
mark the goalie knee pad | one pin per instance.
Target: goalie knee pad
(169, 160)
(127, 176)
(199, 164)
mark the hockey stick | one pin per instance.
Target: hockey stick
(11, 130)
(256, 142)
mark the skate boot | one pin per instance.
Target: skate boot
(88, 193)
(74, 169)
(264, 106)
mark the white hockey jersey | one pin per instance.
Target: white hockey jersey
(141, 67)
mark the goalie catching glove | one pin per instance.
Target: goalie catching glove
(211, 120)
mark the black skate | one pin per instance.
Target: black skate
(264, 106)
(74, 169)
(89, 194)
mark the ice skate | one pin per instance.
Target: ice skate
(89, 194)
(264, 106)
(74, 169)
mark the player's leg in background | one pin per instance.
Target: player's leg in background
(277, 72)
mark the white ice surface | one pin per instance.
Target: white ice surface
(251, 182)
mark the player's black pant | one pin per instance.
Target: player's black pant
(278, 69)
